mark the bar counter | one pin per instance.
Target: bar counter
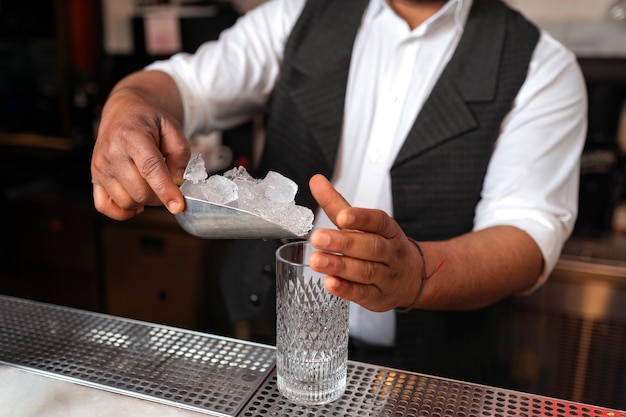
(61, 361)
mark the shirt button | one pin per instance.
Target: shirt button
(254, 299)
(375, 158)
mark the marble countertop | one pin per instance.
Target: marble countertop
(27, 394)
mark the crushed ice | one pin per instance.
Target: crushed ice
(272, 198)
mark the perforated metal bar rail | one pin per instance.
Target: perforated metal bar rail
(191, 370)
(226, 377)
(374, 391)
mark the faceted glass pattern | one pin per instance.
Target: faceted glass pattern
(312, 331)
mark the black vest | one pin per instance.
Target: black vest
(438, 174)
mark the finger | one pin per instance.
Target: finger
(354, 244)
(154, 171)
(369, 220)
(360, 270)
(377, 291)
(177, 152)
(344, 216)
(105, 205)
(123, 183)
(366, 295)
(327, 197)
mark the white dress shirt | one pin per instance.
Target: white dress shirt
(532, 178)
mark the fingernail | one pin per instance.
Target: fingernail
(174, 207)
(322, 260)
(346, 219)
(322, 240)
(332, 283)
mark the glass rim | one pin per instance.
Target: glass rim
(303, 243)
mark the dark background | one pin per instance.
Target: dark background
(54, 247)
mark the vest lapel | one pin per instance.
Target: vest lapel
(470, 76)
(323, 61)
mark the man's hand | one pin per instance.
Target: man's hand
(379, 268)
(141, 152)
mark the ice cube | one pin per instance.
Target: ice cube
(220, 190)
(298, 219)
(279, 188)
(249, 193)
(239, 173)
(195, 170)
(191, 189)
(269, 209)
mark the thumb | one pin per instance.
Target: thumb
(327, 197)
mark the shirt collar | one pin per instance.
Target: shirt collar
(460, 9)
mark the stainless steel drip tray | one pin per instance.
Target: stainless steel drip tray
(187, 369)
(375, 391)
(227, 377)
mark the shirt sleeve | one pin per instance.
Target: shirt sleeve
(225, 82)
(533, 177)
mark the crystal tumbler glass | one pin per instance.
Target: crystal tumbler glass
(311, 333)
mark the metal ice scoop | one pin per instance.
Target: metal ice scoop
(216, 221)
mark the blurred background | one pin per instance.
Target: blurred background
(60, 58)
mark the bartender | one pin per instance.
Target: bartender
(439, 142)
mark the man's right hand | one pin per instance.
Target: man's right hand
(141, 152)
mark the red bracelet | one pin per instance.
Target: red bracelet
(425, 277)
